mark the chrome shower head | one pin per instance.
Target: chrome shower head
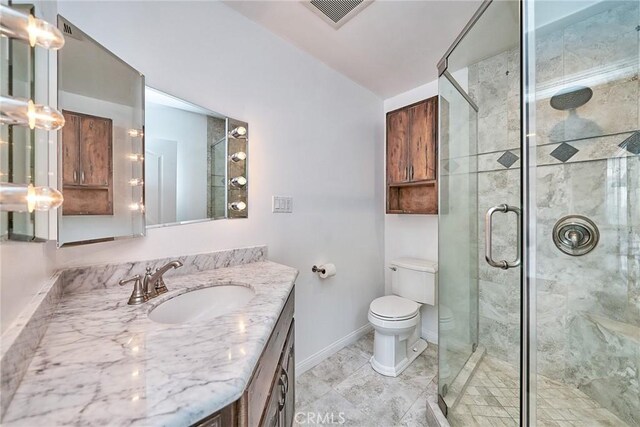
(571, 98)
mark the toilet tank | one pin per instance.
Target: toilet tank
(415, 279)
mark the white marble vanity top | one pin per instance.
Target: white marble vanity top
(103, 362)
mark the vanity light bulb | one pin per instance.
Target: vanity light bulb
(237, 206)
(23, 112)
(135, 157)
(135, 133)
(136, 207)
(238, 182)
(239, 132)
(27, 198)
(136, 182)
(36, 32)
(239, 156)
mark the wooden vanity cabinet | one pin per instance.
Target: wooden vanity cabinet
(412, 151)
(269, 399)
(87, 165)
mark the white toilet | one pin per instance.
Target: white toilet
(396, 318)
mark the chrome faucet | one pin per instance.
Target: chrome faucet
(151, 286)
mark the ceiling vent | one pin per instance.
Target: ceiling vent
(337, 12)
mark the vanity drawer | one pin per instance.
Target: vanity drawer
(255, 399)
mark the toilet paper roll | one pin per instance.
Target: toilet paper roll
(327, 270)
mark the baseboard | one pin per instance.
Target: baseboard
(314, 359)
(430, 336)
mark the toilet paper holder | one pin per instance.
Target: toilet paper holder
(316, 269)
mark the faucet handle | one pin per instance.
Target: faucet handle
(138, 295)
(161, 287)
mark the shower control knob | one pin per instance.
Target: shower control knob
(575, 235)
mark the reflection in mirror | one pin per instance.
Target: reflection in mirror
(101, 147)
(189, 175)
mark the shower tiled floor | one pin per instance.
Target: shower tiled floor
(491, 399)
(345, 387)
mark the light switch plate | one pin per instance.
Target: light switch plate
(282, 204)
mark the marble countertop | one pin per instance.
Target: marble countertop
(103, 362)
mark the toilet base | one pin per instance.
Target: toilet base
(413, 351)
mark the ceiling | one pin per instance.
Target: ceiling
(389, 47)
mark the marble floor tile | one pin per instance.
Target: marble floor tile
(345, 385)
(423, 370)
(365, 345)
(310, 388)
(416, 416)
(339, 366)
(331, 409)
(381, 397)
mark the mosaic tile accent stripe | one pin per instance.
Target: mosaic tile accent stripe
(507, 159)
(632, 144)
(564, 152)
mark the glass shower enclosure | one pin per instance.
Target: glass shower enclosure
(539, 226)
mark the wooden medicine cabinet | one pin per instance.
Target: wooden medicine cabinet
(412, 155)
(87, 165)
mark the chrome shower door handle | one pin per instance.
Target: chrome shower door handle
(488, 230)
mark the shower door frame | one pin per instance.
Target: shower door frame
(527, 229)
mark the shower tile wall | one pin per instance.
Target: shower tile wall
(216, 166)
(588, 308)
(494, 85)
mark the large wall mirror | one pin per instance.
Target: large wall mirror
(195, 162)
(132, 157)
(101, 147)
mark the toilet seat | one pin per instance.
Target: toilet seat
(393, 308)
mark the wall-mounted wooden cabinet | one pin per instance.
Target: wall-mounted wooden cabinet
(412, 152)
(87, 165)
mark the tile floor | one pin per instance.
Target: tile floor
(491, 399)
(345, 387)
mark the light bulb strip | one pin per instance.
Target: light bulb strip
(27, 198)
(238, 182)
(26, 27)
(23, 112)
(239, 156)
(237, 206)
(238, 132)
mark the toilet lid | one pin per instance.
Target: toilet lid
(394, 307)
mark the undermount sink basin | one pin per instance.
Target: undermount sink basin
(202, 304)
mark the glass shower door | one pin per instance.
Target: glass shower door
(480, 199)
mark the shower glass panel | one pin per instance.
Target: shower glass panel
(584, 159)
(457, 303)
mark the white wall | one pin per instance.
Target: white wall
(190, 131)
(412, 235)
(315, 135)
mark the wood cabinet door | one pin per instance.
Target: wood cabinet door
(397, 141)
(423, 140)
(70, 149)
(95, 151)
